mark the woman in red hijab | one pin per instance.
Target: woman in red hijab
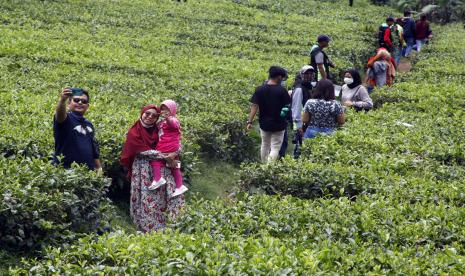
(148, 209)
(142, 136)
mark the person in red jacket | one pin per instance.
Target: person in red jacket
(394, 39)
(423, 32)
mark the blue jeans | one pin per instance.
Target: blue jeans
(312, 132)
(397, 53)
(420, 43)
(410, 43)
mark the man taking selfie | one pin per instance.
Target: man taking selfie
(75, 135)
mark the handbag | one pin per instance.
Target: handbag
(358, 109)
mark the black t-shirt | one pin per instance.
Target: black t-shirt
(75, 139)
(270, 100)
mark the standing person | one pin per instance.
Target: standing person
(381, 70)
(302, 92)
(323, 113)
(394, 39)
(423, 32)
(319, 59)
(270, 101)
(74, 135)
(283, 149)
(148, 209)
(354, 94)
(409, 32)
(169, 134)
(381, 32)
(351, 3)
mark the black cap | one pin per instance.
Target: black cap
(390, 19)
(323, 38)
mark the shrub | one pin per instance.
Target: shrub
(303, 179)
(41, 204)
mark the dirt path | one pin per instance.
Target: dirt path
(404, 66)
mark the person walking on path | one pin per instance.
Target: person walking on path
(409, 33)
(302, 92)
(74, 135)
(323, 114)
(423, 32)
(271, 101)
(394, 39)
(381, 70)
(354, 94)
(319, 59)
(149, 209)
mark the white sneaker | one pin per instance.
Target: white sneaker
(157, 184)
(179, 191)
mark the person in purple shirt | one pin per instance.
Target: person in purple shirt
(74, 135)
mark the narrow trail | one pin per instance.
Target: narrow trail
(404, 66)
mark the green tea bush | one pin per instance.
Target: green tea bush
(41, 204)
(272, 235)
(306, 180)
(208, 56)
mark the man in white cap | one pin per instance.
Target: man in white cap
(302, 92)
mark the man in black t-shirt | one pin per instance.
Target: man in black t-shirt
(270, 101)
(75, 135)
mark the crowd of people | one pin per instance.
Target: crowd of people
(397, 38)
(153, 144)
(311, 107)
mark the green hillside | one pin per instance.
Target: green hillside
(382, 195)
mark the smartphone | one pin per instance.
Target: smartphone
(77, 91)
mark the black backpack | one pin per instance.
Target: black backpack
(381, 31)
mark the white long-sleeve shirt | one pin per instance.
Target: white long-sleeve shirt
(297, 106)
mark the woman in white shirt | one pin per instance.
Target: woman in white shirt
(354, 94)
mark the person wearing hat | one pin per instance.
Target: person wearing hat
(319, 60)
(302, 92)
(271, 100)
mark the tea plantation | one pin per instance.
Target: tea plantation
(385, 194)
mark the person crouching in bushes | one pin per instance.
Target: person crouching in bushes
(169, 133)
(381, 70)
(322, 114)
(354, 94)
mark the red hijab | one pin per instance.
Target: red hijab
(139, 139)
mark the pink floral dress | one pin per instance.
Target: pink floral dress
(150, 209)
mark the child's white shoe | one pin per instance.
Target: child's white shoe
(179, 191)
(157, 184)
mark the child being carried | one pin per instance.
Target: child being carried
(169, 133)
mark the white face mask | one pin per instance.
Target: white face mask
(348, 80)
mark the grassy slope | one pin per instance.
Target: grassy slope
(207, 55)
(124, 58)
